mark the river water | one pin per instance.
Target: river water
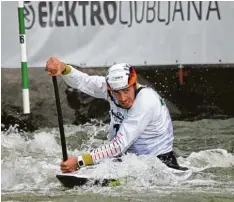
(30, 161)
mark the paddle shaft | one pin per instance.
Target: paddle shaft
(60, 118)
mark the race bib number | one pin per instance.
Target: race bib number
(116, 127)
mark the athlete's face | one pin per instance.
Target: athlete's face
(125, 97)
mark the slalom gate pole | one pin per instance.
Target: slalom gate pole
(24, 65)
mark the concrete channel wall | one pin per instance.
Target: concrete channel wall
(205, 92)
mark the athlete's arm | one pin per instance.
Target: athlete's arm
(92, 85)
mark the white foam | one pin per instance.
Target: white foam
(31, 161)
(199, 161)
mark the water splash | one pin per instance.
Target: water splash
(30, 162)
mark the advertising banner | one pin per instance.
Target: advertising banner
(101, 33)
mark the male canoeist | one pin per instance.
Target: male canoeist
(140, 120)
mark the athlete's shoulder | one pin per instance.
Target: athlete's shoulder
(146, 92)
(147, 97)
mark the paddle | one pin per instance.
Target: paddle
(60, 118)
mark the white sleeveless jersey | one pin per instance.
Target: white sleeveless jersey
(144, 129)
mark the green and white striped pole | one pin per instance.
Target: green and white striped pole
(24, 66)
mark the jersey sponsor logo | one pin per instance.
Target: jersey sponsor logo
(118, 117)
(162, 102)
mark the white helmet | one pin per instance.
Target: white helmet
(120, 76)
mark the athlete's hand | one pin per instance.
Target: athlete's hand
(70, 165)
(54, 66)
